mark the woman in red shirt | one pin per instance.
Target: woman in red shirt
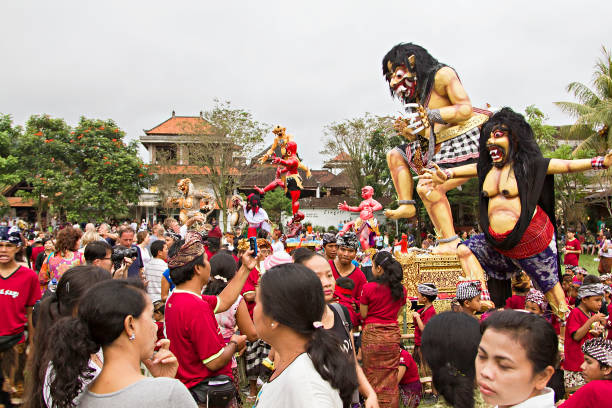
(381, 301)
(520, 287)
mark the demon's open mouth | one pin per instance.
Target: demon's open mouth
(496, 152)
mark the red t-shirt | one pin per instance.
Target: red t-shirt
(18, 291)
(594, 394)
(381, 306)
(516, 302)
(356, 276)
(249, 287)
(572, 259)
(425, 316)
(573, 352)
(412, 371)
(195, 337)
(35, 251)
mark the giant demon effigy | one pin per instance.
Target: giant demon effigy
(440, 127)
(516, 205)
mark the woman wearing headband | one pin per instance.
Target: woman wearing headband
(381, 301)
(597, 372)
(309, 370)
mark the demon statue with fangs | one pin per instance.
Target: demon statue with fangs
(516, 205)
(440, 126)
(366, 226)
(287, 176)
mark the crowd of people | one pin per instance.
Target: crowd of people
(165, 316)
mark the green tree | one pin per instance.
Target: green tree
(83, 174)
(570, 188)
(10, 170)
(364, 139)
(377, 173)
(106, 174)
(276, 202)
(43, 149)
(593, 111)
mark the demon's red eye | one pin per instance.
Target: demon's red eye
(498, 133)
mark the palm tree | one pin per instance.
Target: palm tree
(593, 112)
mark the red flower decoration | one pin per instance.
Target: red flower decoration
(114, 140)
(116, 130)
(101, 128)
(107, 162)
(71, 140)
(80, 137)
(39, 133)
(141, 175)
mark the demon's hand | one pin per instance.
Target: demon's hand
(343, 206)
(607, 162)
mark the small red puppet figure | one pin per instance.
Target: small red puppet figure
(287, 177)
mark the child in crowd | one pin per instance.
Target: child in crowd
(566, 285)
(520, 287)
(409, 383)
(597, 372)
(468, 296)
(344, 295)
(427, 293)
(583, 324)
(159, 308)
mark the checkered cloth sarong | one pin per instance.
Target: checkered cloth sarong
(256, 352)
(450, 153)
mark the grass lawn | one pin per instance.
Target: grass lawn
(587, 262)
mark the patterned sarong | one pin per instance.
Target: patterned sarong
(380, 350)
(454, 152)
(411, 394)
(256, 352)
(542, 267)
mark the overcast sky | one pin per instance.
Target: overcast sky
(302, 65)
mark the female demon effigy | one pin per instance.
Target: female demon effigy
(441, 127)
(516, 206)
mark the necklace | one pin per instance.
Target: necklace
(280, 370)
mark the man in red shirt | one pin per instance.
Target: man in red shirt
(19, 291)
(572, 249)
(195, 337)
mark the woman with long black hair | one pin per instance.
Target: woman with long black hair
(310, 372)
(381, 301)
(114, 315)
(61, 303)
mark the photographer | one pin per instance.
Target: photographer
(126, 240)
(100, 253)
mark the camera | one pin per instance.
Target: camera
(120, 252)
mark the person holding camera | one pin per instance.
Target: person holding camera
(204, 358)
(125, 247)
(100, 253)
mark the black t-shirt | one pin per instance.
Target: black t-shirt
(40, 258)
(339, 330)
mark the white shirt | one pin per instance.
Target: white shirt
(298, 386)
(277, 246)
(153, 272)
(546, 399)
